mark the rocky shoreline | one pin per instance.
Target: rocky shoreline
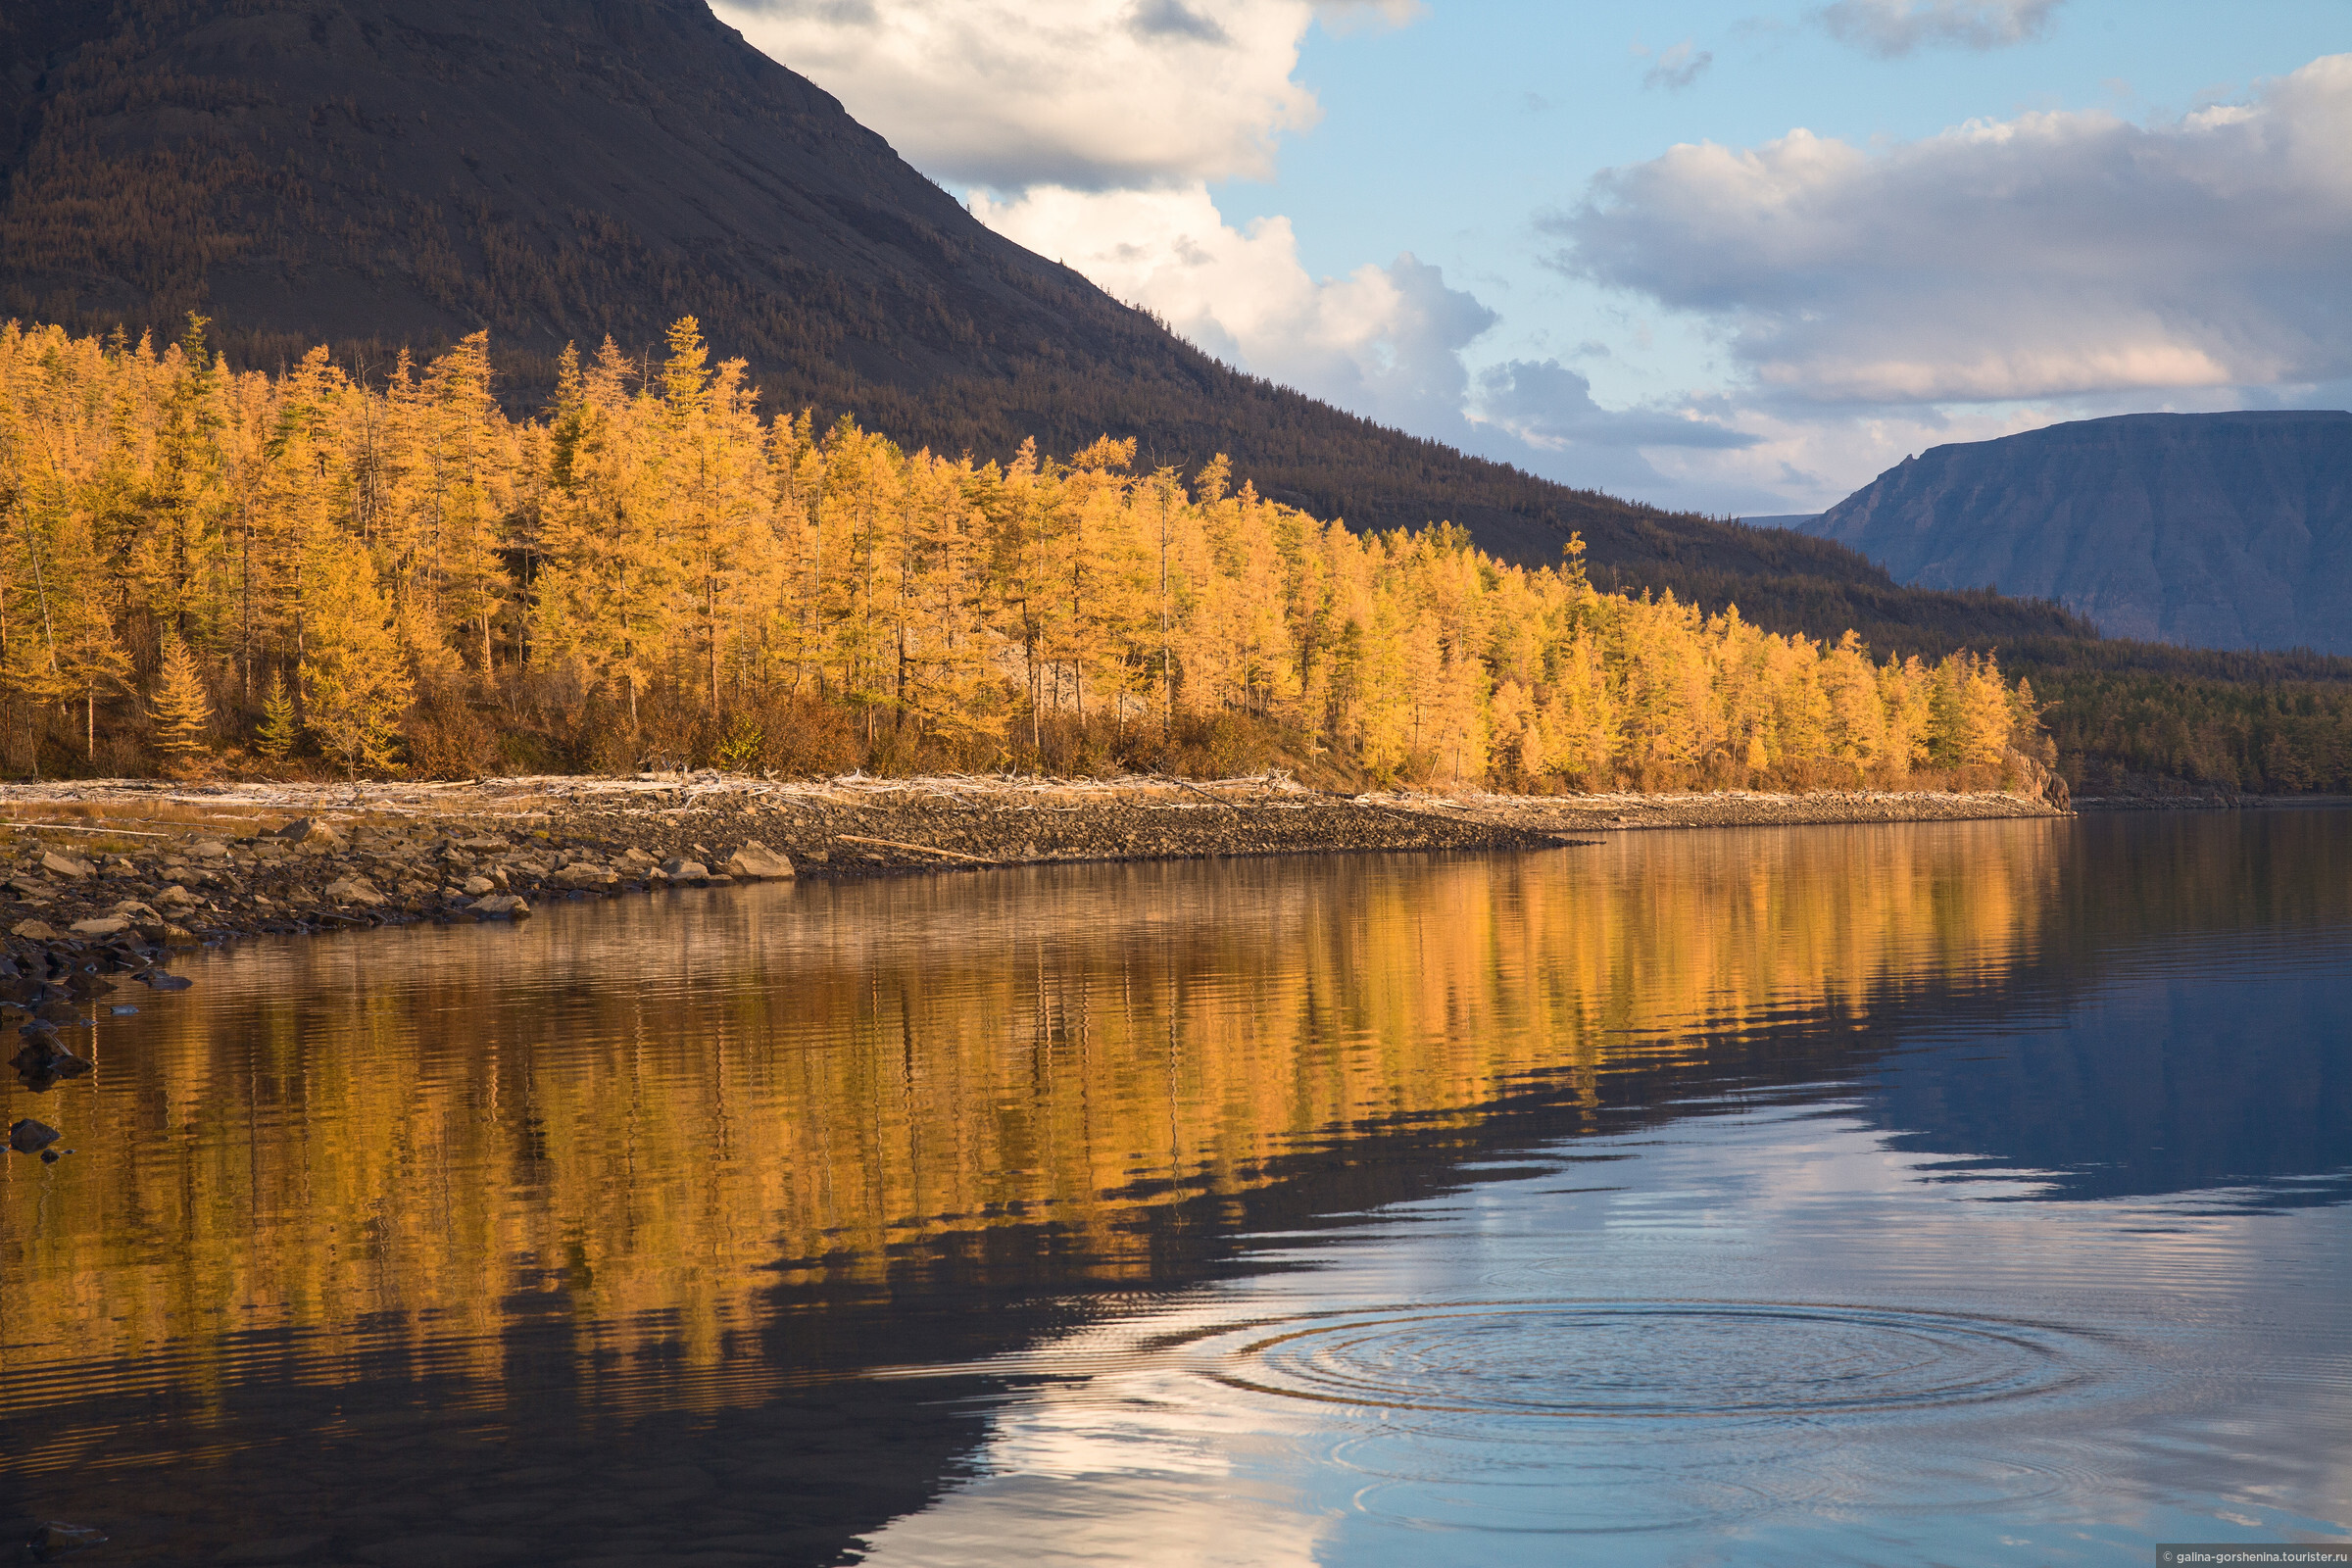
(104, 879)
(126, 861)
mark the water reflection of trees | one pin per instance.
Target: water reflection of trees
(2198, 963)
(662, 1124)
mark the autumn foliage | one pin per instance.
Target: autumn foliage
(203, 567)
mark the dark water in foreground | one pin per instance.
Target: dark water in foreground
(1965, 1193)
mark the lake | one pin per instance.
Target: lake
(1959, 1192)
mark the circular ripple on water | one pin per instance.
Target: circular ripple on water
(1657, 1359)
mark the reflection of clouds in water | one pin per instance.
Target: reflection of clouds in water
(1133, 1470)
(2122, 1413)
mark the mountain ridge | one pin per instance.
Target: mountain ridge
(2221, 530)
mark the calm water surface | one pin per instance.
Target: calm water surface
(1953, 1193)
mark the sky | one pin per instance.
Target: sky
(1732, 257)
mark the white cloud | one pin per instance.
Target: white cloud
(2048, 255)
(1384, 341)
(1089, 94)
(1989, 263)
(1891, 28)
(1088, 131)
(1551, 407)
(1678, 66)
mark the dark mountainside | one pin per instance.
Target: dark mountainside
(2212, 531)
(373, 173)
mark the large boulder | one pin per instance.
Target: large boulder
(758, 860)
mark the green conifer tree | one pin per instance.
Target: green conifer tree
(281, 729)
(183, 713)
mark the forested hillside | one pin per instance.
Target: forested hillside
(379, 175)
(2134, 718)
(202, 567)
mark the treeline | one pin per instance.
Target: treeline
(2134, 718)
(2120, 733)
(202, 567)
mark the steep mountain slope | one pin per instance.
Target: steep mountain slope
(2213, 531)
(378, 174)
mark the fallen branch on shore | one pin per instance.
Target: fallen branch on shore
(919, 849)
(75, 827)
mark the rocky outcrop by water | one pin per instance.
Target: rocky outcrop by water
(2213, 531)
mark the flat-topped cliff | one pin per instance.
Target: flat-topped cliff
(2213, 531)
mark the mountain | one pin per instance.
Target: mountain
(2211, 530)
(381, 174)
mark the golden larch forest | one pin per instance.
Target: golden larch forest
(323, 570)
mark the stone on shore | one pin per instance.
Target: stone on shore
(584, 874)
(66, 866)
(103, 927)
(502, 904)
(32, 931)
(474, 887)
(683, 870)
(29, 1137)
(757, 860)
(354, 890)
(309, 830)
